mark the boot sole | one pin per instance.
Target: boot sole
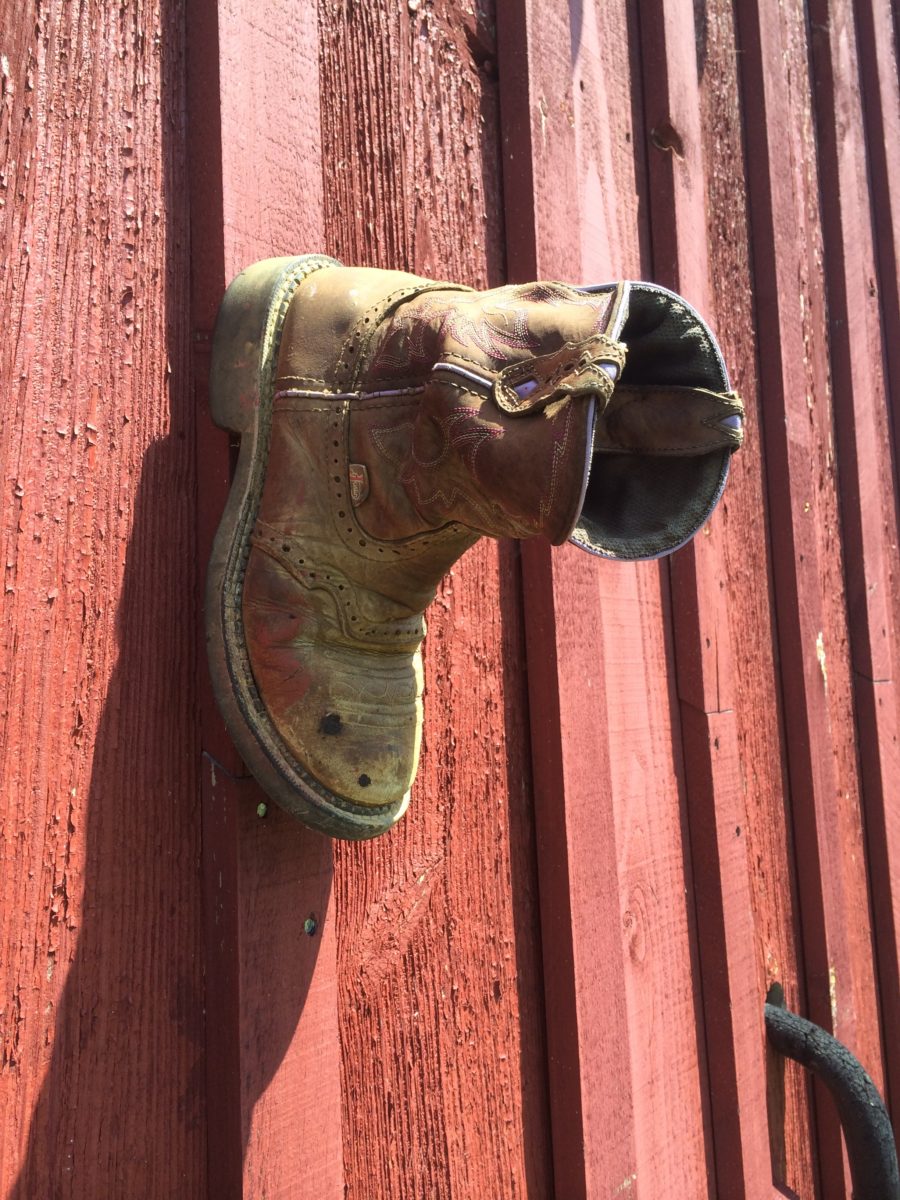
(244, 359)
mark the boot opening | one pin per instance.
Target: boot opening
(644, 505)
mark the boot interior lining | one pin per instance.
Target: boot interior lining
(645, 505)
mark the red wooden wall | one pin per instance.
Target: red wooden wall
(647, 791)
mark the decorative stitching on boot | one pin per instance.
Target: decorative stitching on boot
(464, 433)
(351, 533)
(559, 451)
(290, 553)
(301, 408)
(493, 331)
(249, 702)
(372, 316)
(378, 437)
(296, 379)
(357, 342)
(299, 394)
(455, 355)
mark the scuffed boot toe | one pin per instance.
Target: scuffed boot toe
(347, 716)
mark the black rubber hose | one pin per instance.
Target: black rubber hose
(867, 1127)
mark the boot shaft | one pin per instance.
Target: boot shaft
(465, 409)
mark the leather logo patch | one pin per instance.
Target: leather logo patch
(359, 483)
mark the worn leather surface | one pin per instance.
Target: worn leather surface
(410, 417)
(335, 589)
(661, 420)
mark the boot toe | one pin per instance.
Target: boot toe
(357, 726)
(346, 715)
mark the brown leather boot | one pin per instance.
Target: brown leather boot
(387, 422)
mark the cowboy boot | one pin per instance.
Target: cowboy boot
(387, 422)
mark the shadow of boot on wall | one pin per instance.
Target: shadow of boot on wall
(126, 1072)
(122, 1110)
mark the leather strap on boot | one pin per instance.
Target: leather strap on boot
(577, 369)
(669, 420)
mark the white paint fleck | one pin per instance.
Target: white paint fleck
(832, 995)
(820, 655)
(542, 106)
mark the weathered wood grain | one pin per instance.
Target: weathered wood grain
(533, 986)
(729, 968)
(289, 1052)
(877, 38)
(877, 48)
(590, 1084)
(438, 943)
(101, 1000)
(272, 1046)
(741, 528)
(807, 554)
(628, 1108)
(657, 946)
(868, 504)
(576, 834)
(409, 111)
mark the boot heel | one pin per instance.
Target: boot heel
(248, 328)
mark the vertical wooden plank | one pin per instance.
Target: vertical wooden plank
(220, 766)
(289, 1051)
(101, 998)
(438, 953)
(273, 1050)
(730, 977)
(658, 940)
(564, 718)
(569, 1082)
(868, 504)
(590, 1078)
(626, 1097)
(877, 46)
(807, 553)
(740, 531)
